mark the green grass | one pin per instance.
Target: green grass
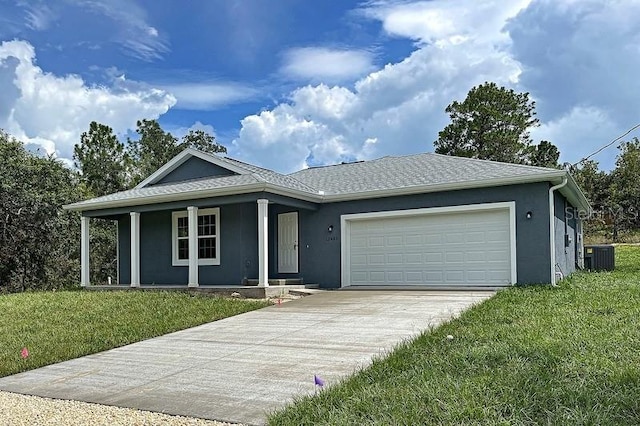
(57, 326)
(530, 355)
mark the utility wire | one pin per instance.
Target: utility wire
(607, 145)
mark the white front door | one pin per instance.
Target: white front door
(288, 243)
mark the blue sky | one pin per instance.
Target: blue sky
(291, 83)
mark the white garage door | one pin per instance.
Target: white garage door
(462, 246)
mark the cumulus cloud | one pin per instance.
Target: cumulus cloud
(51, 111)
(580, 53)
(320, 64)
(398, 109)
(578, 60)
(446, 21)
(580, 132)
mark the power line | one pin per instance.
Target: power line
(607, 145)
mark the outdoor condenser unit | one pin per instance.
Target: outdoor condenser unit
(599, 258)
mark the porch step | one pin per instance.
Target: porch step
(277, 281)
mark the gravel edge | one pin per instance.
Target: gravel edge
(26, 410)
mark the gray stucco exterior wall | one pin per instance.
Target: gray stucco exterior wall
(238, 249)
(319, 250)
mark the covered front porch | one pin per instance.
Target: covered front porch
(232, 243)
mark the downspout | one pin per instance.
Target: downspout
(552, 228)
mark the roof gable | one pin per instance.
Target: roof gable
(192, 164)
(194, 168)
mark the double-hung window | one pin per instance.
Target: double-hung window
(208, 237)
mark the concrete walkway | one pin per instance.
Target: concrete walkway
(241, 368)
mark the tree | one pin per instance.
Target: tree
(492, 123)
(38, 240)
(625, 188)
(101, 160)
(545, 154)
(154, 148)
(202, 141)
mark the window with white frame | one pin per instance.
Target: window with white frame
(208, 237)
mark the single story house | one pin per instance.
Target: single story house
(424, 220)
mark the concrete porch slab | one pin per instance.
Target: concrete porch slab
(245, 291)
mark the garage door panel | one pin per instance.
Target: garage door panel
(454, 276)
(434, 258)
(395, 240)
(461, 248)
(415, 277)
(377, 276)
(414, 240)
(395, 276)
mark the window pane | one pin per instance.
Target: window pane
(183, 227)
(206, 248)
(183, 249)
(207, 225)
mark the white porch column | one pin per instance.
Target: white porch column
(263, 243)
(84, 251)
(135, 249)
(193, 245)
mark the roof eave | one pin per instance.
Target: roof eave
(191, 195)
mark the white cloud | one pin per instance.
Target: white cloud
(39, 16)
(208, 96)
(131, 29)
(579, 133)
(446, 21)
(52, 111)
(396, 110)
(320, 64)
(181, 131)
(578, 60)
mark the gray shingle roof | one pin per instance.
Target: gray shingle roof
(419, 171)
(272, 177)
(389, 173)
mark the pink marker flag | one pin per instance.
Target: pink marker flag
(318, 381)
(24, 353)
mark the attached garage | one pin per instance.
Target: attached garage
(459, 246)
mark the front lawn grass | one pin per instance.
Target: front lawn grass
(528, 356)
(57, 326)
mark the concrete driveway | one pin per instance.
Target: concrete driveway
(238, 369)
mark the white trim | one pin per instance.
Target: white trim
(552, 228)
(84, 251)
(174, 237)
(135, 249)
(192, 215)
(179, 159)
(580, 242)
(117, 253)
(345, 223)
(263, 242)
